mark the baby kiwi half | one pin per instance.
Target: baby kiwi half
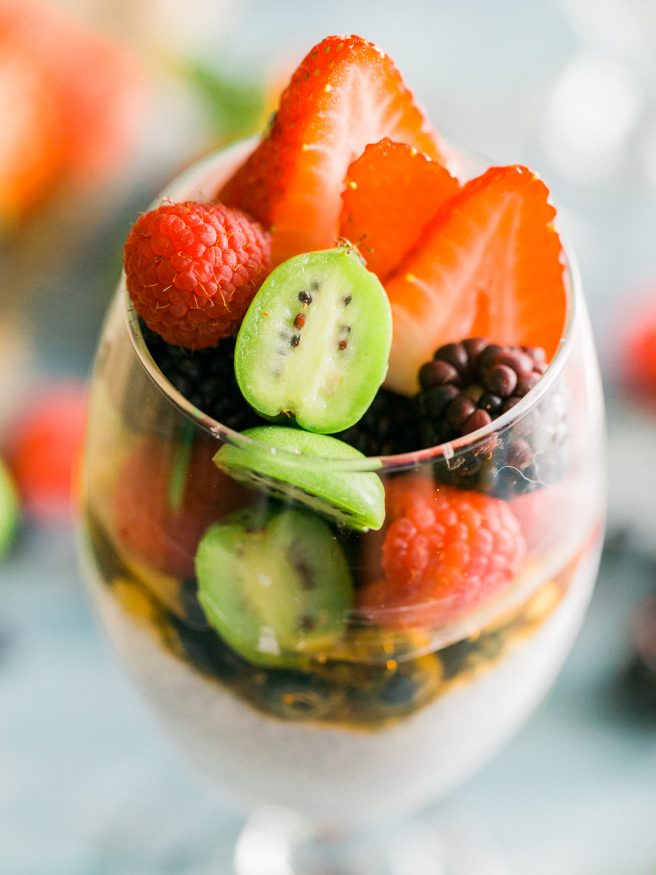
(277, 588)
(353, 498)
(315, 342)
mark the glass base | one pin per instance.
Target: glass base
(444, 842)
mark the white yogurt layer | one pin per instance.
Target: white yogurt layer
(339, 776)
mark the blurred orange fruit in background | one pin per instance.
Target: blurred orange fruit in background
(43, 447)
(72, 102)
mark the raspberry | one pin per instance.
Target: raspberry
(445, 552)
(192, 270)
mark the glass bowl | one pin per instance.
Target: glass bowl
(367, 716)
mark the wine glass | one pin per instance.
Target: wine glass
(367, 716)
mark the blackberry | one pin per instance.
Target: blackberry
(389, 427)
(467, 386)
(206, 377)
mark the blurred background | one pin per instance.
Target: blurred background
(102, 102)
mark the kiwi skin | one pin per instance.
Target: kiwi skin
(315, 342)
(355, 499)
(278, 589)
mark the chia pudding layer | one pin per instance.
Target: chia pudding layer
(338, 775)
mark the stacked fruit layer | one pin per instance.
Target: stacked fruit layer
(373, 679)
(345, 295)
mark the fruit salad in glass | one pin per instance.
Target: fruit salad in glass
(343, 494)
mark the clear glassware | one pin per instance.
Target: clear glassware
(377, 722)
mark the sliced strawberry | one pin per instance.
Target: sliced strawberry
(392, 192)
(490, 264)
(345, 94)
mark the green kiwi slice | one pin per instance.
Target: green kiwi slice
(277, 588)
(353, 498)
(315, 342)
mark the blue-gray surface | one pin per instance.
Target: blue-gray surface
(90, 785)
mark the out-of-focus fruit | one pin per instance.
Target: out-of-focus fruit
(638, 352)
(43, 449)
(71, 103)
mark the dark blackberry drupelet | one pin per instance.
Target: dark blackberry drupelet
(467, 386)
(389, 427)
(206, 377)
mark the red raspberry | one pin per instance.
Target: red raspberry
(192, 270)
(445, 552)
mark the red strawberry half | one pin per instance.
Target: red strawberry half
(489, 264)
(392, 192)
(346, 94)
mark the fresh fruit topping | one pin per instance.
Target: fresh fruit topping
(388, 427)
(9, 511)
(466, 385)
(355, 499)
(192, 270)
(392, 192)
(314, 344)
(277, 589)
(446, 551)
(166, 495)
(44, 448)
(490, 263)
(345, 94)
(206, 378)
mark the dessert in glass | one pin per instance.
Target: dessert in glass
(343, 497)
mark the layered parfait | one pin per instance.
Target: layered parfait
(342, 488)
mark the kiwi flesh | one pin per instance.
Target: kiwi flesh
(277, 588)
(315, 342)
(353, 498)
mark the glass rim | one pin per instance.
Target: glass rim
(387, 463)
